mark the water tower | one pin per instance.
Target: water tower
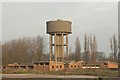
(58, 31)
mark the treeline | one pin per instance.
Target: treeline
(24, 50)
(91, 53)
(32, 49)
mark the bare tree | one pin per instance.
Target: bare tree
(78, 49)
(94, 49)
(113, 46)
(5, 55)
(86, 48)
(91, 47)
(39, 49)
(23, 50)
(119, 55)
(71, 54)
(100, 56)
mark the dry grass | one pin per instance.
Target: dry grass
(93, 72)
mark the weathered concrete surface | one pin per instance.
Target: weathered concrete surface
(58, 26)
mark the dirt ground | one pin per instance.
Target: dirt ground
(44, 76)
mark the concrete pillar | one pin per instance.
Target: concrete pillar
(62, 52)
(67, 46)
(58, 46)
(55, 52)
(50, 50)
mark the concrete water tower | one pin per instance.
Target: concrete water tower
(58, 31)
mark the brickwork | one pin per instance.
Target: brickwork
(41, 66)
(112, 65)
(53, 66)
(75, 65)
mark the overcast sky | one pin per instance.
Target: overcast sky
(29, 19)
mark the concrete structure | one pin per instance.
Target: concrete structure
(58, 31)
